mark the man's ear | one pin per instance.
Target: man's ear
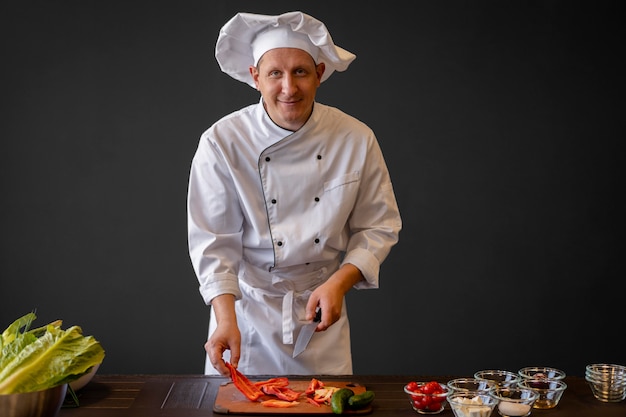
(320, 68)
(255, 75)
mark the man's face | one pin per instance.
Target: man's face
(288, 80)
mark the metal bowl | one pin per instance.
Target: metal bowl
(84, 380)
(45, 403)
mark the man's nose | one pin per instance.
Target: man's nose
(289, 84)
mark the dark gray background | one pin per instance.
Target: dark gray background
(501, 122)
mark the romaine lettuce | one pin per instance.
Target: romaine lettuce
(44, 357)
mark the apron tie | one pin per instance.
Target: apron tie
(288, 324)
(290, 290)
(288, 301)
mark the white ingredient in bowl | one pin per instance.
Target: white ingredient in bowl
(513, 409)
(471, 407)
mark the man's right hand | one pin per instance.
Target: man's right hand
(226, 335)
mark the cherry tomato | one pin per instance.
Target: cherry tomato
(426, 400)
(412, 386)
(428, 388)
(426, 395)
(434, 406)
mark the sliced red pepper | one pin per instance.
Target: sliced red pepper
(321, 399)
(279, 403)
(283, 393)
(324, 395)
(243, 384)
(313, 385)
(312, 401)
(279, 381)
(288, 394)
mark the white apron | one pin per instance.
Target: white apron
(270, 316)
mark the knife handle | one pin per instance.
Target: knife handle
(318, 315)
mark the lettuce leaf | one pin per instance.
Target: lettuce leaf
(11, 332)
(45, 357)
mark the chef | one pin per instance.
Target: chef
(290, 204)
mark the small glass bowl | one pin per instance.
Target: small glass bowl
(514, 402)
(473, 385)
(607, 381)
(541, 372)
(500, 378)
(427, 403)
(549, 391)
(606, 371)
(471, 404)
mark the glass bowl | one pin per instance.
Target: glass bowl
(606, 371)
(514, 402)
(471, 404)
(607, 381)
(549, 391)
(543, 372)
(500, 378)
(474, 385)
(427, 397)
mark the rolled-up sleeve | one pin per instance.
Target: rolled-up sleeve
(375, 222)
(214, 223)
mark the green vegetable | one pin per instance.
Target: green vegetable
(339, 400)
(361, 400)
(44, 357)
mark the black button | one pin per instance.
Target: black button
(319, 156)
(279, 243)
(273, 201)
(267, 159)
(317, 199)
(317, 241)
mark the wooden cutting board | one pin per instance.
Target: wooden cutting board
(230, 400)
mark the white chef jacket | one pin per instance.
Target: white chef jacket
(273, 213)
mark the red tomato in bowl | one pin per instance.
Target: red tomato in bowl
(412, 386)
(426, 396)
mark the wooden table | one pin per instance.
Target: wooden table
(194, 395)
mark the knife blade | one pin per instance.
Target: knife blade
(306, 332)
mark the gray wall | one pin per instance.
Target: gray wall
(500, 121)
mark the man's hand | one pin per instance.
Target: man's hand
(226, 335)
(329, 296)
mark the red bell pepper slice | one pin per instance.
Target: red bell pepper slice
(279, 381)
(243, 384)
(324, 395)
(282, 393)
(313, 385)
(279, 403)
(312, 401)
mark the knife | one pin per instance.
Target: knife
(306, 332)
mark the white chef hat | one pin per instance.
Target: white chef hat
(247, 36)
